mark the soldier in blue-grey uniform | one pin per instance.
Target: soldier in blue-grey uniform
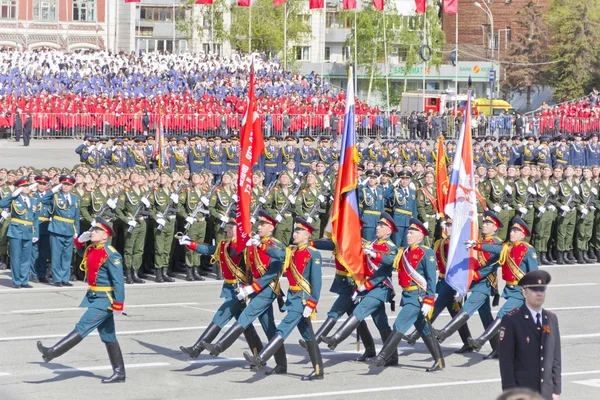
(371, 203)
(41, 249)
(404, 206)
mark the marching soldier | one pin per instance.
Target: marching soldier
(282, 194)
(568, 197)
(375, 291)
(131, 210)
(104, 298)
(524, 196)
(23, 231)
(303, 270)
(588, 196)
(545, 214)
(222, 202)
(416, 275)
(264, 289)
(234, 274)
(192, 204)
(164, 207)
(63, 228)
(308, 202)
(427, 207)
(516, 259)
(484, 286)
(498, 197)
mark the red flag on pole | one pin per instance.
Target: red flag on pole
(133, 1)
(451, 6)
(278, 2)
(378, 4)
(316, 4)
(441, 176)
(349, 4)
(206, 2)
(421, 6)
(253, 145)
(244, 3)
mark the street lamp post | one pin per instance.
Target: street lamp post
(488, 12)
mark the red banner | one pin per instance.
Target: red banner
(278, 2)
(421, 6)
(349, 4)
(316, 4)
(205, 2)
(244, 3)
(378, 4)
(441, 176)
(451, 6)
(252, 146)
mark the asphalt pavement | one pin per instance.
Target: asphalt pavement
(41, 153)
(164, 316)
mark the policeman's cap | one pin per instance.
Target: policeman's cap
(535, 279)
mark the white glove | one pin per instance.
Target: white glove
(190, 220)
(204, 201)
(355, 297)
(438, 216)
(361, 288)
(307, 312)
(321, 198)
(84, 237)
(278, 218)
(5, 214)
(262, 200)
(508, 189)
(309, 220)
(34, 240)
(253, 241)
(56, 188)
(234, 197)
(370, 253)
(565, 208)
(551, 207)
(595, 191)
(523, 210)
(497, 209)
(297, 181)
(75, 235)
(34, 186)
(224, 219)
(531, 191)
(132, 223)
(584, 211)
(185, 240)
(174, 198)
(292, 199)
(576, 190)
(100, 146)
(470, 243)
(111, 203)
(145, 202)
(92, 147)
(245, 292)
(425, 309)
(17, 192)
(542, 209)
(161, 221)
(327, 184)
(458, 297)
(592, 208)
(552, 190)
(507, 207)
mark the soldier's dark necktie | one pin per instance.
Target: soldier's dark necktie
(538, 320)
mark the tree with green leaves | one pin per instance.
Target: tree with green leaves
(575, 32)
(267, 27)
(524, 64)
(207, 22)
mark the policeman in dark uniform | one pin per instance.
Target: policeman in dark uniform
(530, 354)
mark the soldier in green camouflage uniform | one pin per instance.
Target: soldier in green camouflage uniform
(219, 206)
(279, 196)
(568, 197)
(307, 199)
(427, 206)
(163, 196)
(498, 198)
(193, 201)
(325, 188)
(482, 188)
(588, 194)
(130, 201)
(524, 196)
(544, 214)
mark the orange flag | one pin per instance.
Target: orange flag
(441, 176)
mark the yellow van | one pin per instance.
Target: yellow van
(482, 106)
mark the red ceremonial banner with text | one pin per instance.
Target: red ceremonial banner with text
(252, 146)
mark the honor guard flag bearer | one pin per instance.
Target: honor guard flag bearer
(462, 208)
(345, 220)
(252, 147)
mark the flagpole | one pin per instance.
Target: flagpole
(323, 47)
(285, 36)
(355, 52)
(424, 43)
(250, 28)
(385, 57)
(174, 29)
(456, 65)
(212, 28)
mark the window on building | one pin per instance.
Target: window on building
(161, 14)
(145, 31)
(508, 34)
(45, 10)
(327, 53)
(346, 53)
(302, 53)
(306, 18)
(212, 48)
(84, 10)
(331, 20)
(8, 9)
